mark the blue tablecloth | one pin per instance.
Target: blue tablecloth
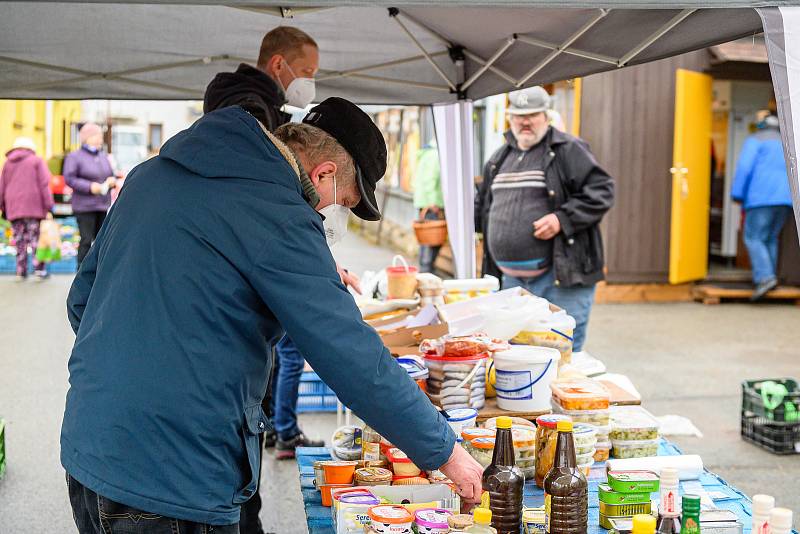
(319, 517)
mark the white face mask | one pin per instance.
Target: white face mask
(336, 217)
(301, 91)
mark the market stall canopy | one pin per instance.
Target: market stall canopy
(403, 52)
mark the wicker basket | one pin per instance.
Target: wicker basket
(430, 232)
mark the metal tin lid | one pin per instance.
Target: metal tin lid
(551, 420)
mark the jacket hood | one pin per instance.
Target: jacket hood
(239, 85)
(228, 143)
(18, 154)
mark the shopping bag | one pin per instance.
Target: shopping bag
(48, 248)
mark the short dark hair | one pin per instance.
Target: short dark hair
(285, 41)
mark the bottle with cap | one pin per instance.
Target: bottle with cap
(780, 521)
(669, 508)
(690, 519)
(644, 524)
(566, 492)
(762, 508)
(482, 522)
(503, 481)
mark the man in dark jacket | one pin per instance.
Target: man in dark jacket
(164, 410)
(539, 208)
(284, 74)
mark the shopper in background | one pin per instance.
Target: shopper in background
(25, 199)
(762, 187)
(539, 208)
(428, 199)
(89, 173)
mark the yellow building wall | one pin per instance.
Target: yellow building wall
(29, 118)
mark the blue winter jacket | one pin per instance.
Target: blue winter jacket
(760, 178)
(209, 253)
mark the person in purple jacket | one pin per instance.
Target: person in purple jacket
(25, 199)
(89, 173)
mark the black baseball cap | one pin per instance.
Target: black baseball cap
(355, 131)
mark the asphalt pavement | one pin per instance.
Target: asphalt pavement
(686, 359)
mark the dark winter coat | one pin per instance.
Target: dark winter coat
(580, 191)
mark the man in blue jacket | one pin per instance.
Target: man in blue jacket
(212, 250)
(761, 185)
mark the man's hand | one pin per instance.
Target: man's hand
(465, 473)
(547, 227)
(349, 279)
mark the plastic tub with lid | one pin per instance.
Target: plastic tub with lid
(461, 418)
(587, 458)
(602, 451)
(630, 423)
(416, 369)
(325, 490)
(581, 394)
(634, 449)
(585, 436)
(390, 519)
(432, 520)
(555, 332)
(339, 472)
(465, 289)
(523, 377)
(594, 417)
(482, 450)
(455, 383)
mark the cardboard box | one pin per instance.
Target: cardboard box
(401, 340)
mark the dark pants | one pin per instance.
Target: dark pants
(26, 234)
(95, 514)
(89, 224)
(762, 231)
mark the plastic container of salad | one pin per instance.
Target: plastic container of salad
(587, 458)
(602, 451)
(630, 423)
(634, 449)
(585, 436)
(598, 418)
(581, 394)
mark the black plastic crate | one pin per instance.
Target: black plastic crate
(753, 403)
(779, 438)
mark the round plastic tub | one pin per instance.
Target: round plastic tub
(416, 369)
(523, 377)
(461, 418)
(432, 521)
(337, 472)
(634, 449)
(390, 519)
(455, 383)
(555, 332)
(585, 436)
(587, 458)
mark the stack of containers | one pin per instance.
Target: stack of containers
(586, 401)
(626, 495)
(634, 432)
(479, 442)
(585, 436)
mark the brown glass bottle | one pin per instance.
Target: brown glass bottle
(504, 481)
(565, 488)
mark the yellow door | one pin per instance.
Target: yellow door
(691, 177)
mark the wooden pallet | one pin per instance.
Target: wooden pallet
(709, 294)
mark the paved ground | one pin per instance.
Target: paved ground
(685, 358)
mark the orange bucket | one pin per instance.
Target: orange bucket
(325, 489)
(339, 472)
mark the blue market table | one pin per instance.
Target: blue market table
(319, 517)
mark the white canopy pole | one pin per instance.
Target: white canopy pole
(782, 29)
(454, 137)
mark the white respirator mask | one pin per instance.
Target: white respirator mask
(301, 91)
(336, 217)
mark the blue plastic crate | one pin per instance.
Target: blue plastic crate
(314, 395)
(8, 265)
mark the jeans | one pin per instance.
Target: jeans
(89, 224)
(762, 229)
(577, 301)
(290, 368)
(95, 514)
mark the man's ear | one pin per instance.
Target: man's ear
(275, 66)
(326, 169)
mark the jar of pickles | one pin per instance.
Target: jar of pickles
(546, 437)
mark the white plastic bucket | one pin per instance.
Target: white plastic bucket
(462, 418)
(523, 377)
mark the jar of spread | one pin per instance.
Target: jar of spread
(390, 519)
(373, 476)
(432, 521)
(546, 438)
